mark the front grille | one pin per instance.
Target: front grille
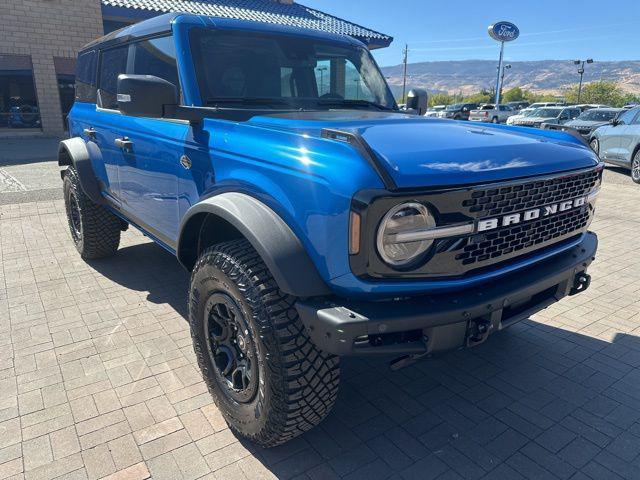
(459, 256)
(508, 240)
(524, 196)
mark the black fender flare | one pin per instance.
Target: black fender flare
(74, 152)
(278, 246)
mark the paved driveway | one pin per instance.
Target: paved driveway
(98, 378)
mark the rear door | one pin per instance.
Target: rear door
(106, 125)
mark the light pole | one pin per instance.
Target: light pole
(404, 75)
(506, 67)
(581, 72)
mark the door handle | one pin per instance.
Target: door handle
(90, 132)
(124, 143)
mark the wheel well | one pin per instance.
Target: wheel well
(635, 150)
(64, 158)
(203, 231)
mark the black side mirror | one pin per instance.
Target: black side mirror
(614, 122)
(145, 95)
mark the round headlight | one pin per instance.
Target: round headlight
(403, 218)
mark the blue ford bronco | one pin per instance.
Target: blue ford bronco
(316, 219)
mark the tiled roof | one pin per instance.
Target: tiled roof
(269, 11)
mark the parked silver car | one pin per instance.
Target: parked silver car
(618, 143)
(490, 113)
(550, 115)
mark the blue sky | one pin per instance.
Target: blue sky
(457, 29)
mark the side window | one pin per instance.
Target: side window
(113, 62)
(627, 117)
(86, 72)
(157, 57)
(636, 121)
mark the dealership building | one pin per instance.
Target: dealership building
(41, 38)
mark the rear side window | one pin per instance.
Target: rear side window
(156, 56)
(113, 62)
(86, 71)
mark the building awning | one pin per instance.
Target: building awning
(268, 11)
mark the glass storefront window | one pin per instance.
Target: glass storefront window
(18, 99)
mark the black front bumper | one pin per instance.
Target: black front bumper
(431, 324)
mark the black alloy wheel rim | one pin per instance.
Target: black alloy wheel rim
(231, 348)
(73, 212)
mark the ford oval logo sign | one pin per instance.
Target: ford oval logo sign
(504, 31)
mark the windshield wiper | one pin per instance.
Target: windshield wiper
(353, 103)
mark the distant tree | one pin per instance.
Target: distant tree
(440, 99)
(604, 92)
(481, 97)
(514, 94)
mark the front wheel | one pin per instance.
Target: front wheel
(495, 120)
(268, 379)
(635, 167)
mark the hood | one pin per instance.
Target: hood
(426, 152)
(585, 123)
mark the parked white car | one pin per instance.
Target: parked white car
(525, 112)
(435, 110)
(489, 113)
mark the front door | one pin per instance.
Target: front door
(152, 149)
(629, 138)
(612, 139)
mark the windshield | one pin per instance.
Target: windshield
(457, 106)
(598, 115)
(548, 112)
(274, 70)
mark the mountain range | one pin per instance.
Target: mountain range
(542, 76)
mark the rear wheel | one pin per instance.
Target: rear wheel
(635, 167)
(268, 379)
(94, 230)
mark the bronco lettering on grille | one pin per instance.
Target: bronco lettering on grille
(515, 218)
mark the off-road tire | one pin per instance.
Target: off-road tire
(297, 382)
(99, 232)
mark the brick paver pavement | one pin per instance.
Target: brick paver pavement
(98, 378)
